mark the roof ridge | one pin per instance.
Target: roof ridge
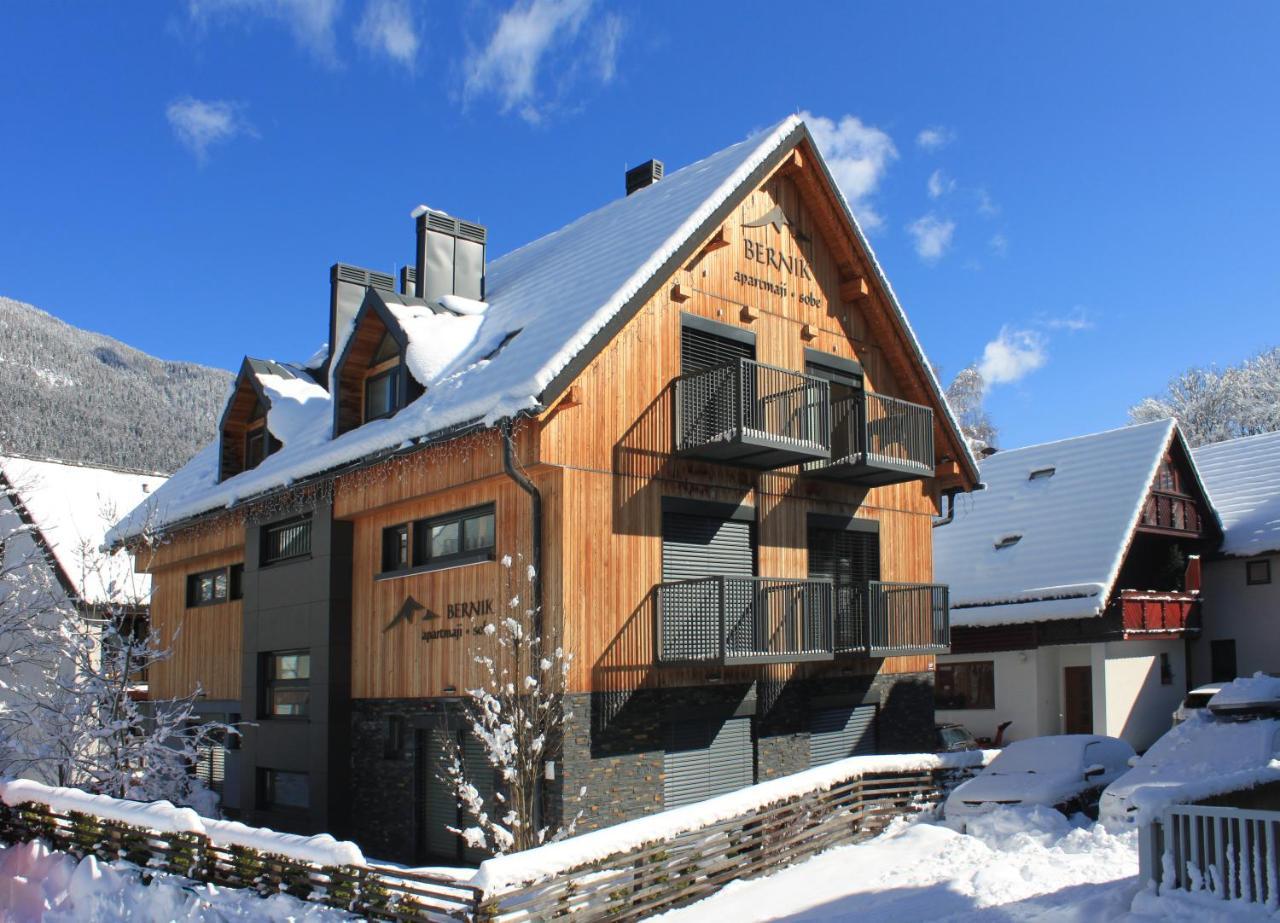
(117, 469)
(1166, 422)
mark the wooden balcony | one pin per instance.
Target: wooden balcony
(1148, 613)
(877, 440)
(730, 621)
(754, 415)
(883, 619)
(1171, 514)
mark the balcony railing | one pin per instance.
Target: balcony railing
(881, 619)
(750, 414)
(1155, 612)
(1171, 513)
(878, 440)
(744, 620)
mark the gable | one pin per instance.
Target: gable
(246, 408)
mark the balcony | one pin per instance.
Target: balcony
(754, 415)
(1169, 513)
(882, 619)
(1146, 613)
(877, 440)
(729, 621)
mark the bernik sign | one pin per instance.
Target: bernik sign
(468, 609)
(764, 255)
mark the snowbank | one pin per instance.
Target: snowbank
(506, 872)
(163, 817)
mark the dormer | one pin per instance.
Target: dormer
(371, 379)
(244, 441)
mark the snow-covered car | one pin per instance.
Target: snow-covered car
(951, 737)
(1066, 771)
(1196, 700)
(1232, 745)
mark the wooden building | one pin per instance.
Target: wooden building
(698, 413)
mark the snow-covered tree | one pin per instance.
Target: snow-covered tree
(70, 712)
(1212, 404)
(966, 394)
(517, 714)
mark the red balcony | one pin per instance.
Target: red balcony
(1150, 613)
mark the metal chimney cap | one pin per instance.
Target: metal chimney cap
(646, 174)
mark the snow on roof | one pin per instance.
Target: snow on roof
(73, 505)
(1245, 691)
(557, 293)
(1074, 526)
(1243, 479)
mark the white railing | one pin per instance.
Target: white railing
(1226, 853)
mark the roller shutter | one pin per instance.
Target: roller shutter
(836, 733)
(850, 559)
(442, 810)
(705, 758)
(702, 350)
(704, 546)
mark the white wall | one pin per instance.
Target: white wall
(1138, 706)
(1020, 696)
(1248, 614)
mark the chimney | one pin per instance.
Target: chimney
(408, 280)
(450, 256)
(347, 286)
(644, 175)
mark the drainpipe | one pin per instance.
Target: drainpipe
(535, 501)
(950, 497)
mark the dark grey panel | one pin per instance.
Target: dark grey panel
(837, 733)
(705, 758)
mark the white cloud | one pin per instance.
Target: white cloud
(940, 184)
(1012, 355)
(932, 236)
(200, 124)
(935, 138)
(858, 156)
(999, 244)
(310, 21)
(1074, 321)
(388, 27)
(523, 44)
(985, 205)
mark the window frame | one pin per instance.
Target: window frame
(403, 530)
(265, 789)
(193, 581)
(419, 557)
(1249, 578)
(376, 375)
(265, 544)
(270, 683)
(980, 701)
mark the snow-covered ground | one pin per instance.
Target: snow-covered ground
(1016, 864)
(39, 886)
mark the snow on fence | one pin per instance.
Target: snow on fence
(177, 840)
(1226, 853)
(645, 866)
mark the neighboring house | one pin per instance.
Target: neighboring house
(698, 411)
(1074, 584)
(1242, 580)
(53, 519)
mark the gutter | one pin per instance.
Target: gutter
(535, 502)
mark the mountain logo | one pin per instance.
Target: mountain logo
(406, 614)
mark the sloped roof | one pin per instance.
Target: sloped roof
(548, 302)
(73, 506)
(1072, 527)
(1243, 479)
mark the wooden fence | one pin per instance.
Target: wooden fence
(1222, 852)
(689, 866)
(374, 892)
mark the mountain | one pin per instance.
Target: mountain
(78, 396)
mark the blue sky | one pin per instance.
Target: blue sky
(1084, 197)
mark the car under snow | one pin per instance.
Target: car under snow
(1066, 771)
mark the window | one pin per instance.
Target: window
(286, 540)
(278, 789)
(458, 538)
(965, 685)
(395, 548)
(1040, 474)
(1008, 541)
(1166, 670)
(1257, 572)
(207, 588)
(287, 684)
(382, 394)
(255, 447)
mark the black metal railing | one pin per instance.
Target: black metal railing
(873, 433)
(879, 618)
(739, 620)
(744, 402)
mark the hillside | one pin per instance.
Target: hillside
(81, 396)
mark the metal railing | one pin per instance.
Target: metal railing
(880, 618)
(739, 620)
(874, 431)
(1222, 852)
(747, 399)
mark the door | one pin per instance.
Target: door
(706, 757)
(836, 733)
(1222, 660)
(705, 546)
(440, 805)
(1077, 697)
(849, 559)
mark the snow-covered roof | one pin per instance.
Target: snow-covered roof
(546, 301)
(1064, 532)
(73, 505)
(1243, 479)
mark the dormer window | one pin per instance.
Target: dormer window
(382, 383)
(246, 441)
(371, 380)
(1008, 541)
